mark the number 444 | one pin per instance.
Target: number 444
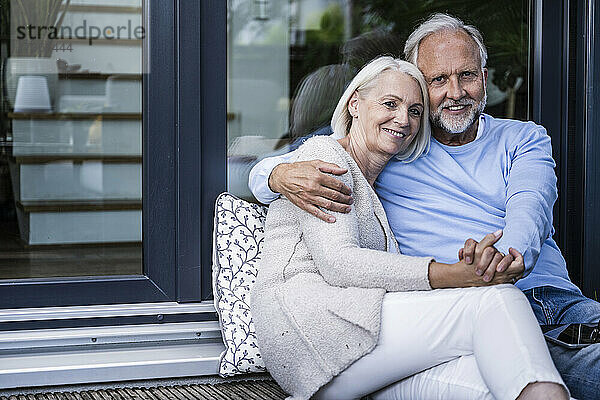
(63, 46)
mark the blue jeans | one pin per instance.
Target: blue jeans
(579, 368)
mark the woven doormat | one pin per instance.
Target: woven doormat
(247, 390)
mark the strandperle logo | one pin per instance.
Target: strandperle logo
(82, 31)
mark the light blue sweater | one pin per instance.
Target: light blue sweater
(503, 180)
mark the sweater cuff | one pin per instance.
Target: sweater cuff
(431, 260)
(420, 274)
(428, 284)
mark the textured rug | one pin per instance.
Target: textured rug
(247, 390)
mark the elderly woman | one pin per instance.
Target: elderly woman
(339, 313)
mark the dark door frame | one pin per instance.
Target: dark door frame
(174, 187)
(565, 90)
(591, 123)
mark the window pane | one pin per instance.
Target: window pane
(71, 131)
(288, 63)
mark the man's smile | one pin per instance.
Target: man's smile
(457, 108)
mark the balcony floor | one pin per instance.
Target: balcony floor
(245, 390)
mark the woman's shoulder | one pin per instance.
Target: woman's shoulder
(324, 148)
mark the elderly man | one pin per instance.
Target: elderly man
(481, 174)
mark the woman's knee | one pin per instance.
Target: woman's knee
(492, 294)
(506, 295)
(508, 290)
(501, 299)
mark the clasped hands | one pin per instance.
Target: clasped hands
(311, 186)
(490, 265)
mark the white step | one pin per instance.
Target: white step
(68, 134)
(123, 3)
(104, 94)
(76, 180)
(70, 224)
(81, 87)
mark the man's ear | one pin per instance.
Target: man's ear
(485, 74)
(353, 105)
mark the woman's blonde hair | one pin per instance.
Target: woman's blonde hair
(363, 81)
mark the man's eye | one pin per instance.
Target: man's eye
(437, 79)
(390, 104)
(415, 111)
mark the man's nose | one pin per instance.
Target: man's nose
(455, 89)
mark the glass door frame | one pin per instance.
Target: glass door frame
(213, 133)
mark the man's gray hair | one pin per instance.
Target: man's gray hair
(437, 23)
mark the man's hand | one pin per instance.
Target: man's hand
(491, 262)
(462, 274)
(307, 185)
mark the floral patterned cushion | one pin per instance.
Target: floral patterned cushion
(238, 237)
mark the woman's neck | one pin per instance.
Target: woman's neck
(370, 163)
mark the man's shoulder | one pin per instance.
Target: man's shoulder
(512, 130)
(511, 124)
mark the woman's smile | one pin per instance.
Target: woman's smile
(394, 132)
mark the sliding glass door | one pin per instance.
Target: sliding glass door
(87, 142)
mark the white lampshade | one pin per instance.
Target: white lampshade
(32, 95)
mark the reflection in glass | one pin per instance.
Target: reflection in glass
(70, 161)
(288, 62)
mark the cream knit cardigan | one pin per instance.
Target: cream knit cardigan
(316, 303)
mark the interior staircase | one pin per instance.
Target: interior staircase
(77, 172)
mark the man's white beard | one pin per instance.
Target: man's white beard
(457, 125)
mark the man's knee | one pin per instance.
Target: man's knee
(570, 307)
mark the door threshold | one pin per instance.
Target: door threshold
(53, 357)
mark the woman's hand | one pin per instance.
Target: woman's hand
(463, 274)
(489, 265)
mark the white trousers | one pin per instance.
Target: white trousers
(483, 343)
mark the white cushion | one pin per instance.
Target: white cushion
(237, 242)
